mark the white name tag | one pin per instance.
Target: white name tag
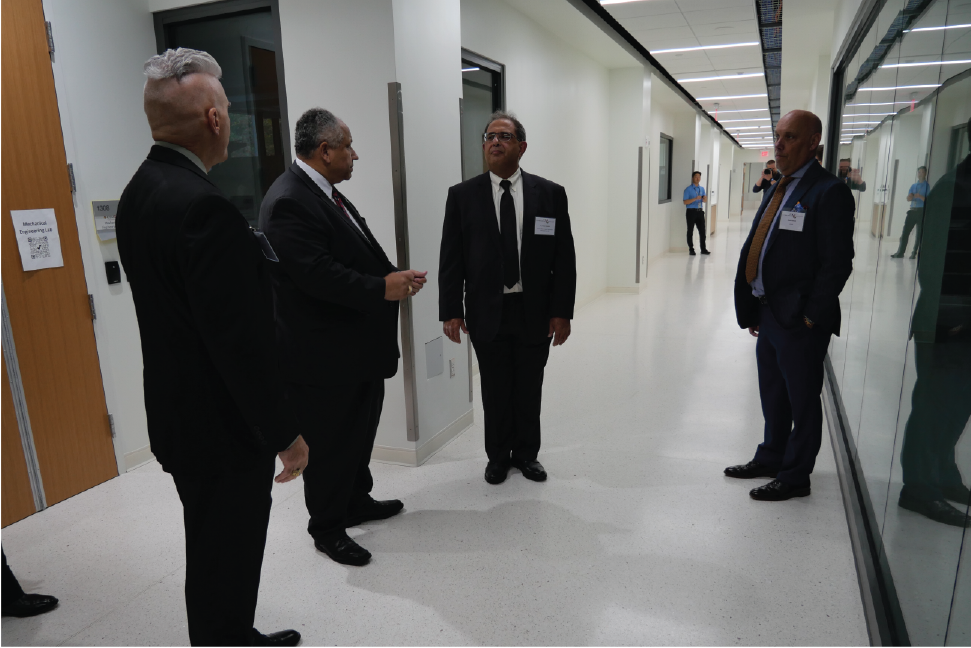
(792, 220)
(545, 227)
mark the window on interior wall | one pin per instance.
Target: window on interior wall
(664, 169)
(243, 36)
(482, 94)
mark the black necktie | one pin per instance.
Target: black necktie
(510, 238)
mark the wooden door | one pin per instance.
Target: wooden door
(49, 312)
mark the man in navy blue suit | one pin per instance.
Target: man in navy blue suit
(791, 271)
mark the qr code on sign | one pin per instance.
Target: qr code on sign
(39, 249)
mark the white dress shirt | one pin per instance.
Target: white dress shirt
(516, 189)
(327, 188)
(186, 152)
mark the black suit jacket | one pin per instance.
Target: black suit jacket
(333, 323)
(803, 272)
(203, 299)
(471, 258)
(764, 184)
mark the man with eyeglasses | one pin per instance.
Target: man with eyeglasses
(507, 278)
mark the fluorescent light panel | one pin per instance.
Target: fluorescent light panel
(722, 78)
(909, 87)
(469, 69)
(702, 47)
(923, 29)
(751, 96)
(750, 119)
(903, 65)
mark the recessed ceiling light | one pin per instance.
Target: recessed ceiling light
(867, 115)
(900, 65)
(732, 97)
(920, 29)
(702, 47)
(469, 69)
(906, 87)
(861, 122)
(750, 119)
(722, 78)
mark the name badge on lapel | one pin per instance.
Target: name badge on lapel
(793, 220)
(545, 227)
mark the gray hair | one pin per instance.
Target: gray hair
(315, 127)
(502, 114)
(180, 63)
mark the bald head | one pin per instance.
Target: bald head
(797, 136)
(186, 105)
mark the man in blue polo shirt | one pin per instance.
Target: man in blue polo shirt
(916, 196)
(694, 200)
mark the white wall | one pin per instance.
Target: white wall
(428, 66)
(106, 137)
(626, 133)
(562, 98)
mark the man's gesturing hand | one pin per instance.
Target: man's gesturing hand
(294, 461)
(560, 326)
(404, 284)
(753, 331)
(451, 328)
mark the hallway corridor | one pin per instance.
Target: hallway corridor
(636, 539)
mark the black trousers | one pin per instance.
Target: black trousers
(695, 218)
(11, 588)
(940, 409)
(226, 517)
(790, 363)
(339, 424)
(914, 218)
(511, 369)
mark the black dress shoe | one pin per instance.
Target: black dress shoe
(282, 638)
(691, 252)
(496, 471)
(532, 470)
(777, 491)
(30, 605)
(705, 252)
(343, 550)
(374, 510)
(751, 470)
(937, 510)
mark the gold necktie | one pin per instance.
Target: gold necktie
(754, 252)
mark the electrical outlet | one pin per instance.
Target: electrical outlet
(451, 367)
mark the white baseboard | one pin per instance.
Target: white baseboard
(138, 458)
(418, 456)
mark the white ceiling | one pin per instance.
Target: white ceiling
(671, 24)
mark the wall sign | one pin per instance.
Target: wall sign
(764, 154)
(37, 238)
(105, 212)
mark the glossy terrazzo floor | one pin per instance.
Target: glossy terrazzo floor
(636, 539)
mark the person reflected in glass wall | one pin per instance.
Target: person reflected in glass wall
(917, 195)
(941, 400)
(770, 176)
(851, 176)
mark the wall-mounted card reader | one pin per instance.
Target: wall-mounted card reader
(113, 271)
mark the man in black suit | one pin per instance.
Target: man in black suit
(336, 297)
(203, 299)
(791, 271)
(507, 248)
(770, 176)
(850, 176)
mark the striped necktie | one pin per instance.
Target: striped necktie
(754, 252)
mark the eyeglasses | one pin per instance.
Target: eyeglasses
(505, 137)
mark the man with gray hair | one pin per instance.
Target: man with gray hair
(508, 278)
(336, 297)
(200, 284)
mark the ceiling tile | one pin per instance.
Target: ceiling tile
(711, 15)
(646, 23)
(681, 37)
(650, 8)
(705, 5)
(723, 30)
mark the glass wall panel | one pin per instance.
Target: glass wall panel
(903, 361)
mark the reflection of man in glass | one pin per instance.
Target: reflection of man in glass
(851, 176)
(916, 196)
(941, 401)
